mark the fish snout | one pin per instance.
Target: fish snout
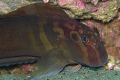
(97, 57)
(103, 56)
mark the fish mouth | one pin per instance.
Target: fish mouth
(98, 59)
(103, 54)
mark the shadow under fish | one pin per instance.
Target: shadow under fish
(46, 34)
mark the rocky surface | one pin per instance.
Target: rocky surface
(86, 73)
(99, 10)
(103, 10)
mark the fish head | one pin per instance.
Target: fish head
(87, 47)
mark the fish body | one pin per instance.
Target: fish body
(45, 33)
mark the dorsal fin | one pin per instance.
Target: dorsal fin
(96, 30)
(37, 9)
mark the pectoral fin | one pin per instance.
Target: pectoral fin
(74, 68)
(51, 64)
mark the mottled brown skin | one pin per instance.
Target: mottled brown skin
(45, 33)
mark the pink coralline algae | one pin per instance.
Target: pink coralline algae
(27, 68)
(80, 4)
(45, 1)
(95, 2)
(86, 1)
(103, 10)
(93, 9)
(117, 43)
(77, 3)
(92, 1)
(73, 3)
(97, 8)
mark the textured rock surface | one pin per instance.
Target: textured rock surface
(85, 73)
(103, 10)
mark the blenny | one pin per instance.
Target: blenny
(46, 34)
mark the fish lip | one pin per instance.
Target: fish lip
(103, 54)
(102, 58)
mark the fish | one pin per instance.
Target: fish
(45, 33)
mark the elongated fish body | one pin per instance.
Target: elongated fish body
(45, 33)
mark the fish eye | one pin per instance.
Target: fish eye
(85, 39)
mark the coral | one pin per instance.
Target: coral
(20, 70)
(3, 8)
(28, 68)
(72, 3)
(86, 1)
(117, 42)
(3, 71)
(79, 9)
(103, 10)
